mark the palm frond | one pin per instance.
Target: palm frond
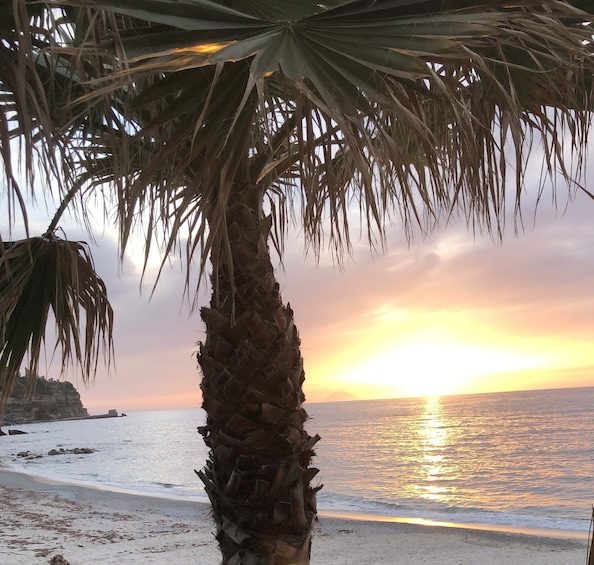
(421, 95)
(42, 274)
(409, 109)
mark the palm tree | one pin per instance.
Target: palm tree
(219, 124)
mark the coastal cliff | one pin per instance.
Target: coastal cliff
(44, 400)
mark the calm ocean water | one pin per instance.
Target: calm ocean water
(517, 459)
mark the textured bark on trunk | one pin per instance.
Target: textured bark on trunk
(258, 474)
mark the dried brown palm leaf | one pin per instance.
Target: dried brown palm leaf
(49, 273)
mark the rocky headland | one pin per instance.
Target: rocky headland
(42, 400)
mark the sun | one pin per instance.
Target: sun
(435, 368)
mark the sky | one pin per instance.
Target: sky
(452, 313)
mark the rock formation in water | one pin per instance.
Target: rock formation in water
(42, 401)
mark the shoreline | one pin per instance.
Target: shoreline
(339, 514)
(495, 528)
(84, 524)
(582, 535)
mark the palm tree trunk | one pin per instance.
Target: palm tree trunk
(258, 475)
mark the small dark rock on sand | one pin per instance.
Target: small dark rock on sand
(75, 451)
(58, 560)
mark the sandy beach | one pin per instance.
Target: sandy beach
(87, 526)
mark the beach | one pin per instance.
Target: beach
(86, 526)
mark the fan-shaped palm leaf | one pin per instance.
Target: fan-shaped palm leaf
(401, 105)
(42, 274)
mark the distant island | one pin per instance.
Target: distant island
(341, 396)
(45, 400)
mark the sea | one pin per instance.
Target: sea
(515, 461)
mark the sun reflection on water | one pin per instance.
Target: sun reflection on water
(501, 458)
(432, 445)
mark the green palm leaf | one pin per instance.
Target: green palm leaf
(397, 59)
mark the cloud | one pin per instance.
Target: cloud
(535, 286)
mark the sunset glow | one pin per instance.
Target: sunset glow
(436, 368)
(457, 316)
(426, 365)
(454, 354)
